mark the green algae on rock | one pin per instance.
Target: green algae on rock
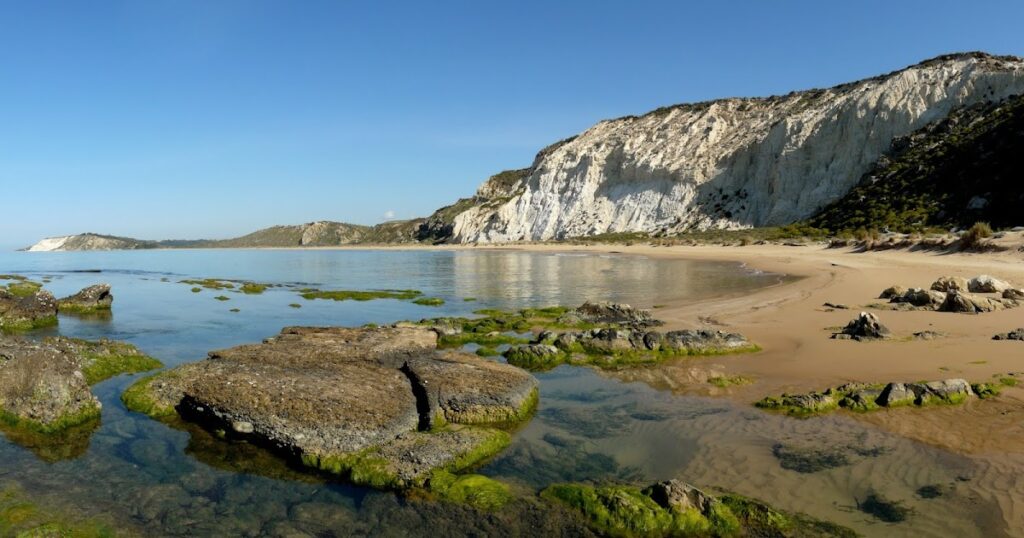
(95, 299)
(103, 359)
(429, 301)
(379, 407)
(358, 295)
(25, 306)
(865, 397)
(674, 508)
(24, 519)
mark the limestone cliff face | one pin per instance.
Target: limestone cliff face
(731, 163)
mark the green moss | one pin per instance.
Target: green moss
(469, 299)
(792, 406)
(521, 358)
(355, 295)
(69, 307)
(759, 519)
(105, 359)
(295, 305)
(1008, 381)
(475, 490)
(496, 441)
(85, 415)
(23, 288)
(66, 444)
(24, 325)
(252, 288)
(986, 390)
(139, 398)
(485, 351)
(429, 301)
(21, 518)
(222, 298)
(461, 339)
(626, 511)
(197, 290)
(724, 381)
(210, 283)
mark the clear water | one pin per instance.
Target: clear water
(589, 426)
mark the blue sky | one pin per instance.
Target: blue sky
(179, 119)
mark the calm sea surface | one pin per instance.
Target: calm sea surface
(590, 426)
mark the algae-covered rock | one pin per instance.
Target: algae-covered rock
(42, 387)
(25, 306)
(675, 508)
(91, 300)
(370, 404)
(870, 397)
(610, 313)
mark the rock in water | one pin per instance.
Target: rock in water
(42, 386)
(866, 326)
(360, 402)
(616, 313)
(95, 298)
(21, 311)
(987, 284)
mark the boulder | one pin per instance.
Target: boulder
(703, 341)
(895, 394)
(987, 284)
(892, 291)
(866, 326)
(680, 496)
(949, 391)
(1013, 294)
(26, 308)
(43, 385)
(335, 396)
(613, 313)
(950, 283)
(95, 298)
(968, 303)
(535, 356)
(1016, 334)
(920, 298)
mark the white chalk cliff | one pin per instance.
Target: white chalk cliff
(731, 163)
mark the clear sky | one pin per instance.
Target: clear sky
(180, 119)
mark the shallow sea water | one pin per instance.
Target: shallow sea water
(590, 426)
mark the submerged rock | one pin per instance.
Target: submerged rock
(866, 326)
(25, 307)
(92, 299)
(357, 402)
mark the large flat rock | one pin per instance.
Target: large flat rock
(366, 401)
(42, 385)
